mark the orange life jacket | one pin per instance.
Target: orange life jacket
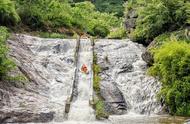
(84, 68)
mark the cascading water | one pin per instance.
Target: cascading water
(126, 68)
(49, 64)
(80, 108)
(81, 112)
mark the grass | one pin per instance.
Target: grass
(163, 38)
(52, 35)
(97, 79)
(100, 111)
(119, 33)
(99, 103)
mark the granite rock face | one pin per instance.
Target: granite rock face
(130, 21)
(49, 66)
(147, 56)
(124, 83)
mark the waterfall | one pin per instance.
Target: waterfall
(125, 67)
(50, 66)
(80, 108)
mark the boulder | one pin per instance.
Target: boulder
(25, 117)
(114, 101)
(147, 55)
(130, 20)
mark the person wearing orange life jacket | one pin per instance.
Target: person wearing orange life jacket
(84, 69)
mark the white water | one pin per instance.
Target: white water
(128, 70)
(53, 60)
(80, 109)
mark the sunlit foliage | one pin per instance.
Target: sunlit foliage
(172, 66)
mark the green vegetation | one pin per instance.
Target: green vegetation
(110, 6)
(172, 66)
(166, 23)
(5, 63)
(8, 14)
(51, 35)
(179, 35)
(8, 17)
(60, 16)
(99, 104)
(40, 15)
(158, 16)
(97, 79)
(100, 111)
(44, 14)
(98, 24)
(118, 33)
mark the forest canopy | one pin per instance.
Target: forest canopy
(70, 17)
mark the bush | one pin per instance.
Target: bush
(52, 35)
(53, 14)
(97, 24)
(100, 30)
(5, 63)
(100, 111)
(99, 104)
(172, 66)
(45, 14)
(8, 14)
(119, 33)
(96, 70)
(110, 6)
(180, 35)
(157, 17)
(97, 79)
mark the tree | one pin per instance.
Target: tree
(5, 63)
(8, 14)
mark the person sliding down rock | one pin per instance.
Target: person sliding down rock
(84, 69)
